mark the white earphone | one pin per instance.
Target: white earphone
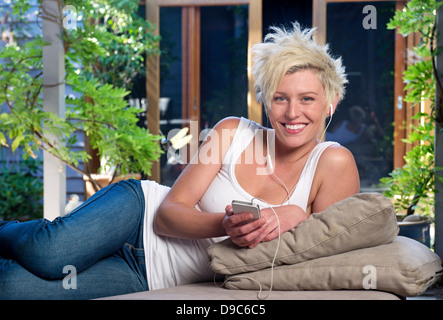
(329, 122)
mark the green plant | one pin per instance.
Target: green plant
(21, 191)
(101, 54)
(413, 186)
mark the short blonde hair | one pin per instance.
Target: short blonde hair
(285, 52)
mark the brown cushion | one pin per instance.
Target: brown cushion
(360, 221)
(404, 267)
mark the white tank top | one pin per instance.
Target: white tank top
(172, 261)
(225, 187)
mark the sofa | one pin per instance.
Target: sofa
(350, 251)
(209, 291)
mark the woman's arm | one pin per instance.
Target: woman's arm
(264, 229)
(336, 178)
(176, 216)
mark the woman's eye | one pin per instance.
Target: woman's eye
(279, 98)
(306, 99)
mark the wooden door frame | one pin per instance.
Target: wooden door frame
(191, 69)
(191, 63)
(401, 110)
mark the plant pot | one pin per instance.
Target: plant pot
(103, 180)
(417, 230)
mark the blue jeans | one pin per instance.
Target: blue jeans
(95, 251)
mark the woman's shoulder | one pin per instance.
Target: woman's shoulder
(336, 154)
(336, 177)
(336, 162)
(235, 126)
(337, 158)
(228, 123)
(236, 122)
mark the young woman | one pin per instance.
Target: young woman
(134, 236)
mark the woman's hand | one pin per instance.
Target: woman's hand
(282, 219)
(241, 229)
(247, 233)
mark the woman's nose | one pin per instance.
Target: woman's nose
(293, 110)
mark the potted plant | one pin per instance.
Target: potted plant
(110, 43)
(412, 187)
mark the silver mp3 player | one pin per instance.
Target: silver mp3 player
(243, 206)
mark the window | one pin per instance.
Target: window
(372, 115)
(202, 74)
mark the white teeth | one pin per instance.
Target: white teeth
(295, 126)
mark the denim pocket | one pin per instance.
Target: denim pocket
(135, 258)
(139, 254)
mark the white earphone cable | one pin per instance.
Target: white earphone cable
(288, 197)
(272, 263)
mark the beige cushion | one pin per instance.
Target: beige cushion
(404, 267)
(360, 221)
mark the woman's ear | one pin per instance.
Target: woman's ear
(333, 106)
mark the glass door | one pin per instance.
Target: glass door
(224, 48)
(203, 74)
(363, 121)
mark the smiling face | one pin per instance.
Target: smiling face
(298, 109)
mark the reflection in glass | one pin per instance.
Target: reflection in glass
(363, 120)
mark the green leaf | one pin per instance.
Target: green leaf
(16, 142)
(3, 140)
